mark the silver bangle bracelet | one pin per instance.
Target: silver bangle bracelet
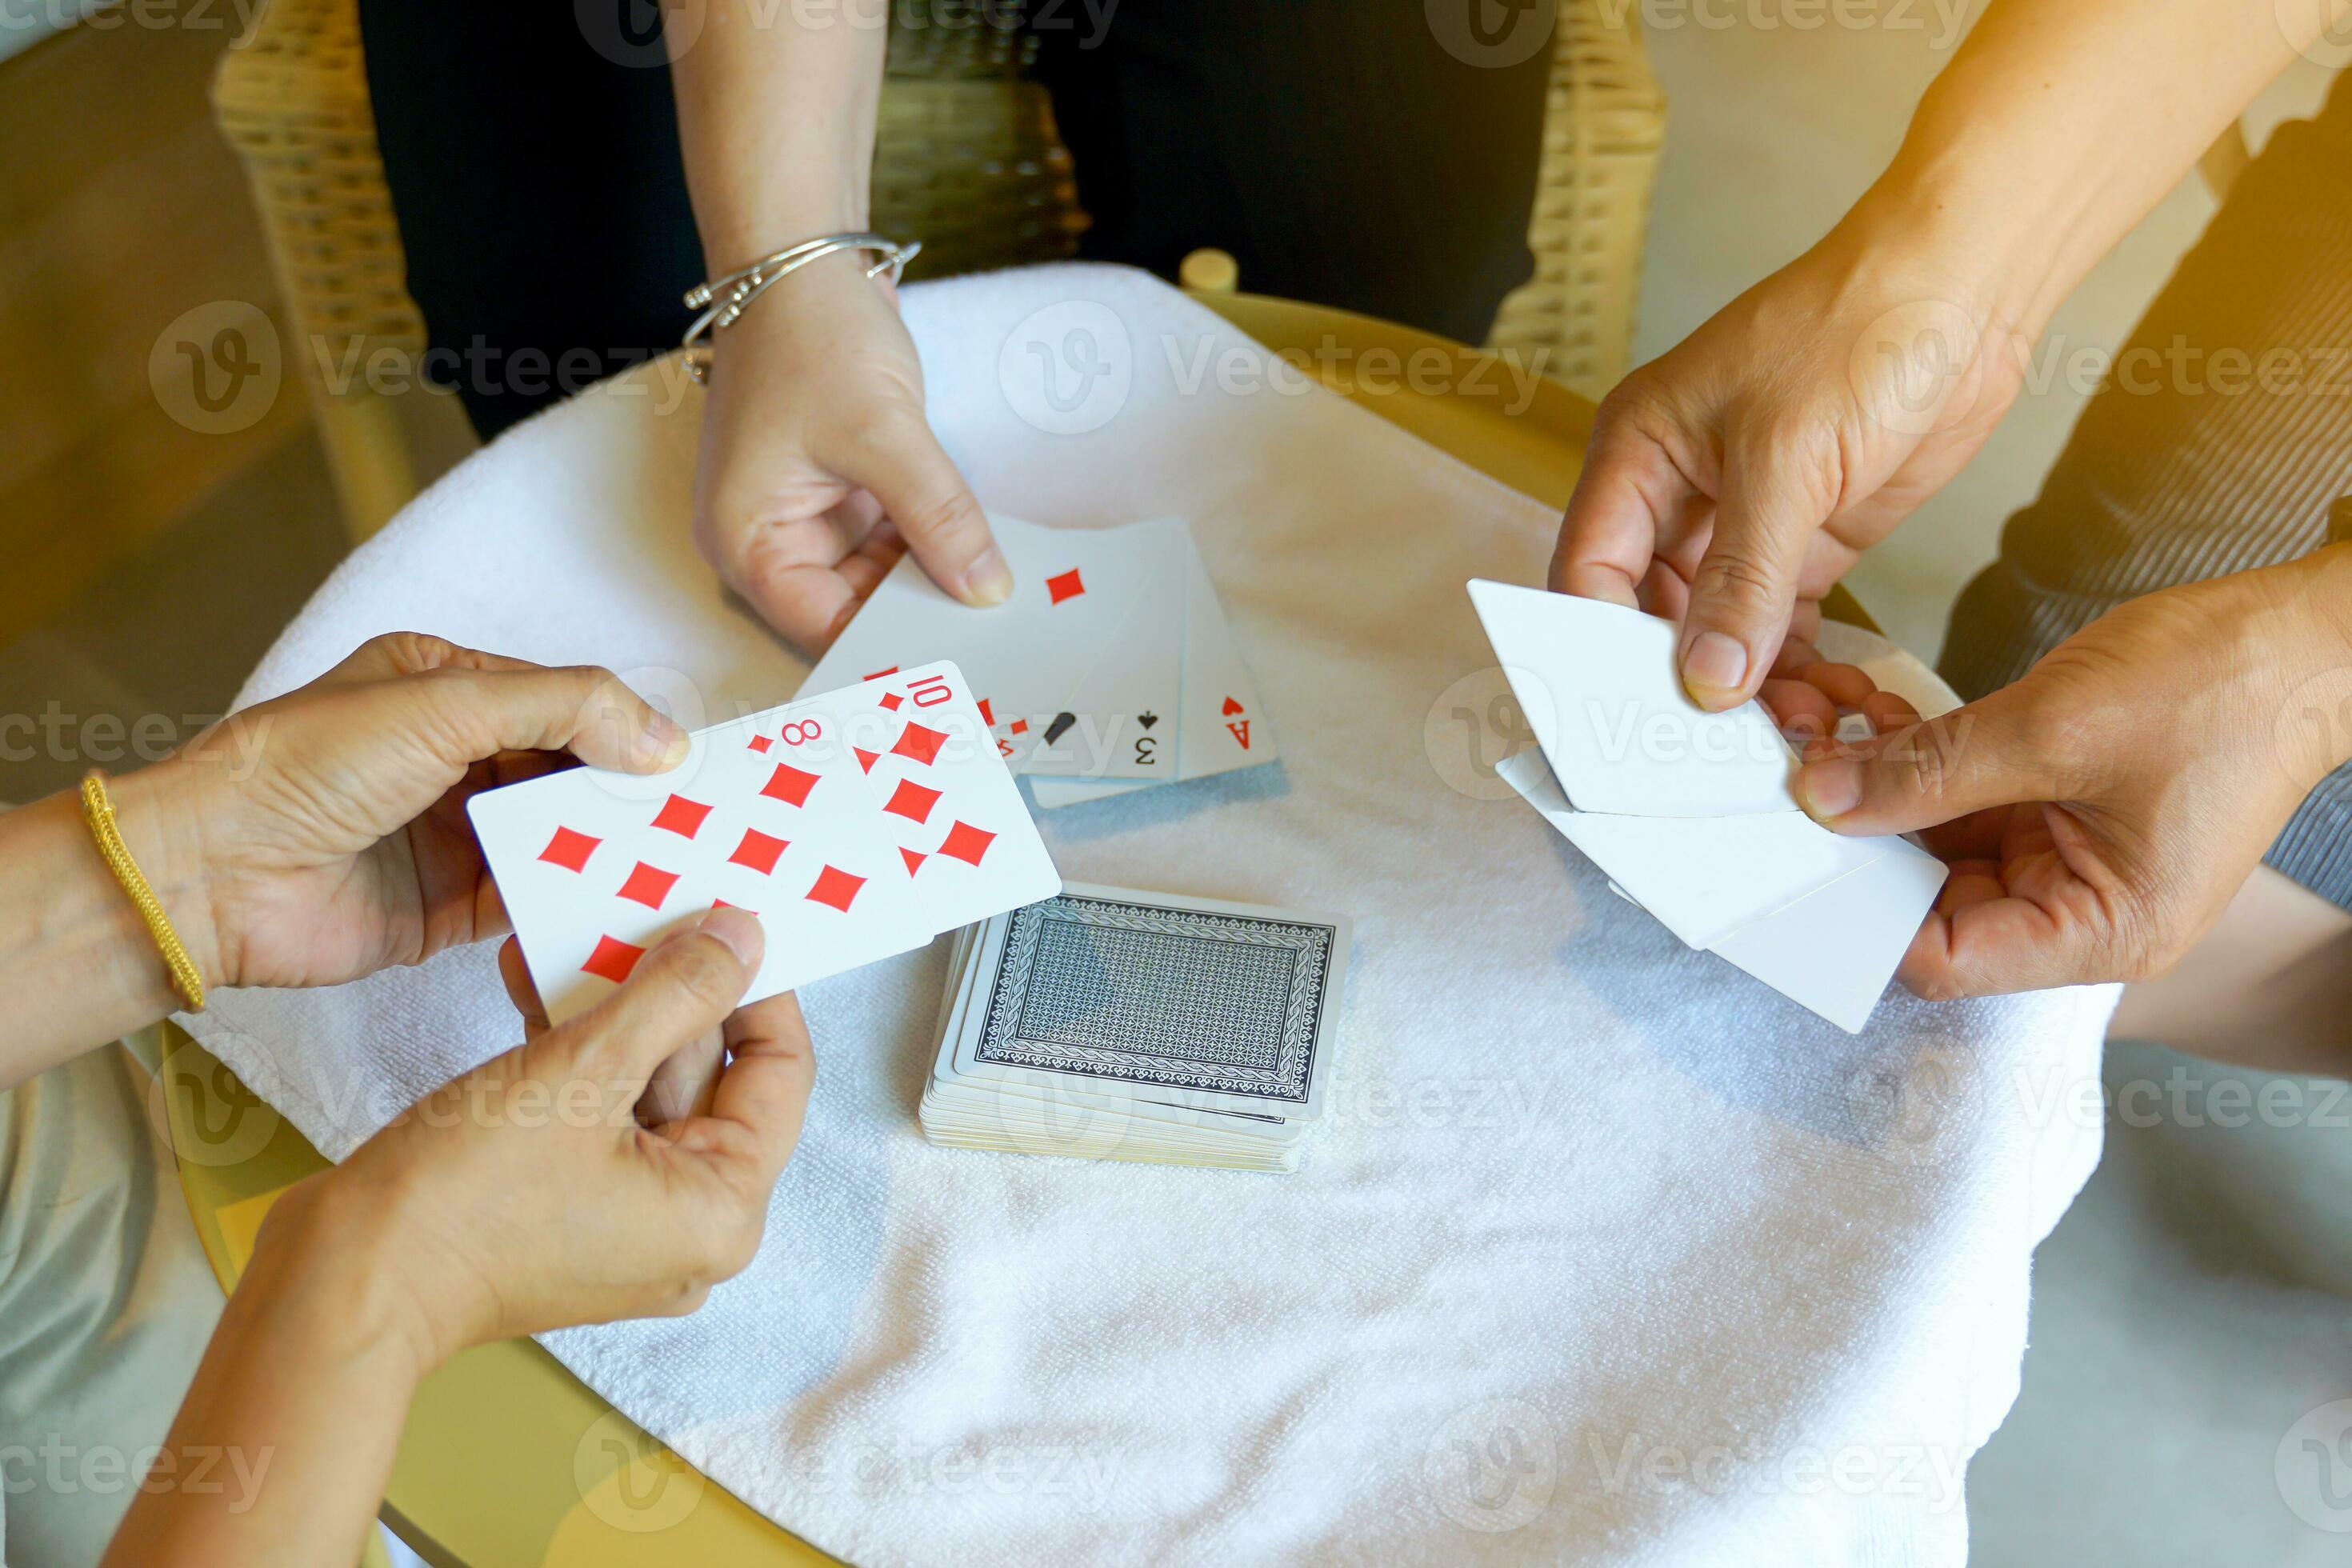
(723, 300)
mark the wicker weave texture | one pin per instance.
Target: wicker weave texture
(1604, 123)
(966, 155)
(292, 97)
(975, 169)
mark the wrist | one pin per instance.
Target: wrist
(163, 827)
(733, 240)
(76, 963)
(330, 1275)
(2315, 595)
(1918, 235)
(811, 317)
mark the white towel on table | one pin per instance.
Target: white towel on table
(1610, 1253)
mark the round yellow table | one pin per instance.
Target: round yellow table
(507, 1459)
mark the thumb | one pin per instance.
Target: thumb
(1930, 772)
(682, 989)
(923, 494)
(1771, 503)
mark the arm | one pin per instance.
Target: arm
(323, 836)
(818, 466)
(776, 109)
(76, 961)
(1731, 481)
(368, 1277)
(303, 1390)
(2060, 123)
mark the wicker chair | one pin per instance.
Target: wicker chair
(292, 96)
(1604, 122)
(966, 155)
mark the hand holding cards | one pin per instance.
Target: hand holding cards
(1112, 667)
(1690, 813)
(1112, 1025)
(854, 824)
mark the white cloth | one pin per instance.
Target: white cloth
(1610, 1253)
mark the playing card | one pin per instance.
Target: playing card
(1703, 877)
(1226, 724)
(1599, 690)
(1096, 1131)
(774, 813)
(1098, 609)
(964, 840)
(1041, 1107)
(1063, 1101)
(1833, 951)
(1123, 718)
(1092, 1146)
(1152, 996)
(1044, 1112)
(1831, 948)
(1691, 815)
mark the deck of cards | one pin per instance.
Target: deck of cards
(854, 824)
(1691, 814)
(1108, 1024)
(1112, 667)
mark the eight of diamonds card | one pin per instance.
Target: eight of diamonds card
(947, 803)
(856, 825)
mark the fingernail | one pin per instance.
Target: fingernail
(664, 743)
(988, 580)
(1716, 662)
(740, 930)
(1830, 789)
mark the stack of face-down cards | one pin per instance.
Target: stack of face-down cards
(1110, 668)
(854, 824)
(1691, 814)
(1108, 1024)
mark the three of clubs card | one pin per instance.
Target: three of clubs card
(1110, 668)
(1109, 1024)
(854, 824)
(1691, 814)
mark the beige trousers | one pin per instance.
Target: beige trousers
(106, 1302)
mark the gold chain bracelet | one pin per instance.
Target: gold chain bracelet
(98, 810)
